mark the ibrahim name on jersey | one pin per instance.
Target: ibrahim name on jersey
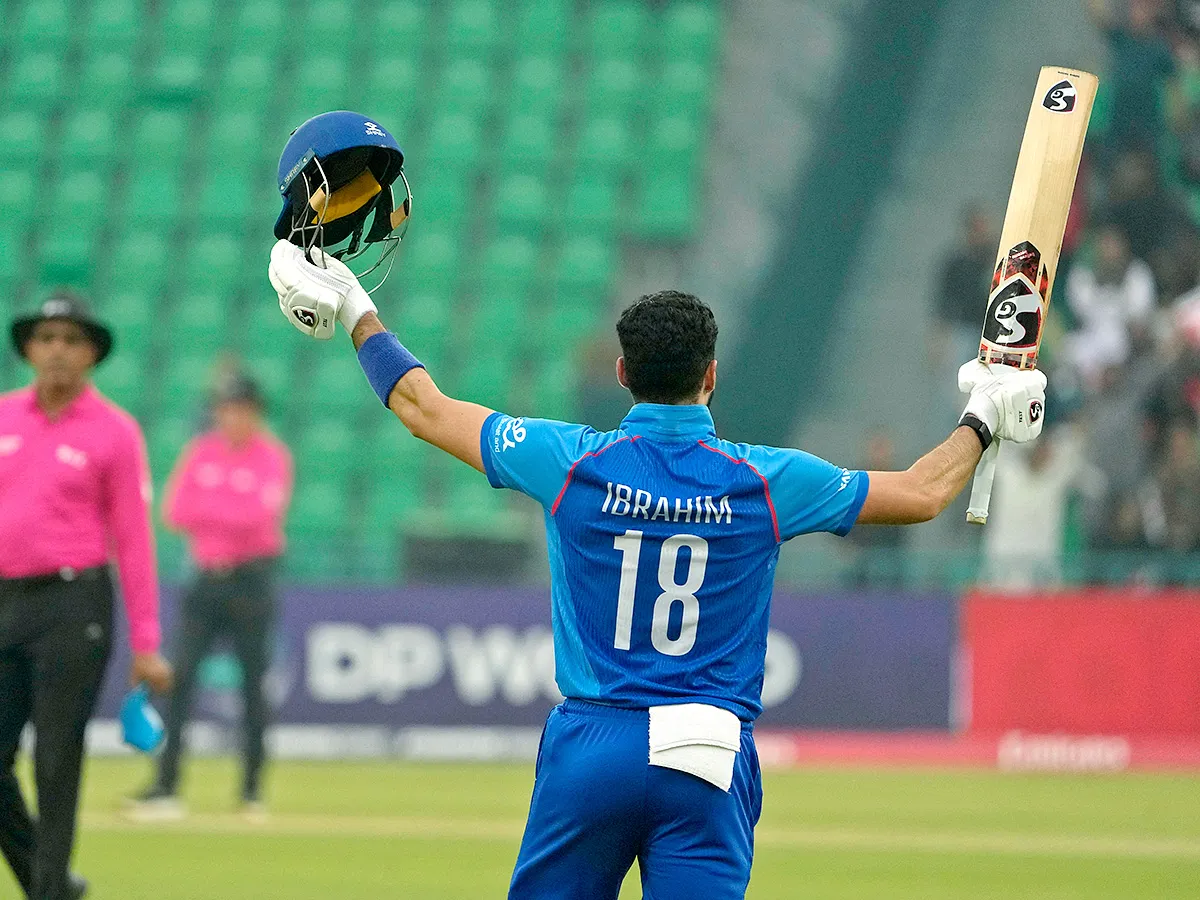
(663, 541)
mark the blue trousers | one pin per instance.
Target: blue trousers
(598, 805)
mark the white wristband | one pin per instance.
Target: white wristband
(356, 305)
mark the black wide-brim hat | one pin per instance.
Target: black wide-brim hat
(72, 308)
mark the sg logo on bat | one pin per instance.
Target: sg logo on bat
(1060, 98)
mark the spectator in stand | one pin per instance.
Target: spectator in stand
(966, 276)
(1023, 541)
(228, 494)
(1112, 299)
(1179, 486)
(1141, 64)
(1151, 216)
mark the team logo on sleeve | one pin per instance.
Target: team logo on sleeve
(512, 433)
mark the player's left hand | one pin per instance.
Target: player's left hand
(1010, 402)
(314, 294)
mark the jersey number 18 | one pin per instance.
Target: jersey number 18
(630, 546)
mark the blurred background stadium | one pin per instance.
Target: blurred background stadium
(830, 175)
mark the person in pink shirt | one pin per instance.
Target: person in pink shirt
(228, 496)
(74, 497)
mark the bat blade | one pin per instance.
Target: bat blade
(1031, 240)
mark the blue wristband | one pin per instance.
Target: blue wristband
(385, 361)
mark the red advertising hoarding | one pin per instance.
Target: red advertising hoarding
(1086, 662)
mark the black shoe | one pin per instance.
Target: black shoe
(77, 886)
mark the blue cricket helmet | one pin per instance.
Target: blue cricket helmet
(336, 170)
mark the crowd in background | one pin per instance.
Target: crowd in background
(1117, 474)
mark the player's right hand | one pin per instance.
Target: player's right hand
(1010, 402)
(314, 295)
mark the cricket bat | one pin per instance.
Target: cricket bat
(1031, 239)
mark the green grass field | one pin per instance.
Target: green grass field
(450, 832)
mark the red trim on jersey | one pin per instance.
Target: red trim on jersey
(766, 485)
(571, 471)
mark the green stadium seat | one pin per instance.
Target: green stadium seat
(65, 253)
(486, 378)
(340, 388)
(391, 503)
(667, 206)
(260, 26)
(79, 199)
(152, 197)
(614, 87)
(509, 263)
(573, 317)
(392, 89)
(190, 25)
(22, 139)
(130, 313)
(213, 263)
(317, 508)
(544, 24)
(324, 440)
(530, 144)
(122, 379)
(115, 25)
(502, 316)
(673, 145)
(167, 437)
(690, 27)
(232, 139)
(426, 318)
(398, 26)
(186, 381)
(454, 141)
(683, 87)
(441, 197)
(465, 87)
(35, 80)
(196, 323)
(521, 204)
(177, 77)
(248, 82)
(224, 199)
(617, 27)
(162, 137)
(14, 259)
(44, 25)
(89, 137)
(593, 204)
(320, 85)
(431, 260)
(330, 25)
(473, 27)
(105, 80)
(585, 264)
(537, 86)
(556, 389)
(605, 145)
(140, 261)
(17, 188)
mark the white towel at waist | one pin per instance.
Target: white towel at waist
(696, 738)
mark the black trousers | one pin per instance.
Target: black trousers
(240, 605)
(55, 637)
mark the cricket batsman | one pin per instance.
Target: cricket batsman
(663, 540)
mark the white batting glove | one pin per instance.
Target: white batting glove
(312, 295)
(1010, 402)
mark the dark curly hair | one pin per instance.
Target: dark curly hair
(668, 339)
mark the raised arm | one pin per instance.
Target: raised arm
(925, 488)
(449, 424)
(315, 297)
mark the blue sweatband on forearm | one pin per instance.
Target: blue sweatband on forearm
(385, 361)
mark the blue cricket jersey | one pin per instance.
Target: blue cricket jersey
(663, 541)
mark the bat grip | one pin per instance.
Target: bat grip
(981, 487)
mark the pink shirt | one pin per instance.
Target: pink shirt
(230, 501)
(75, 493)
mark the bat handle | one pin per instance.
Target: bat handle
(981, 488)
